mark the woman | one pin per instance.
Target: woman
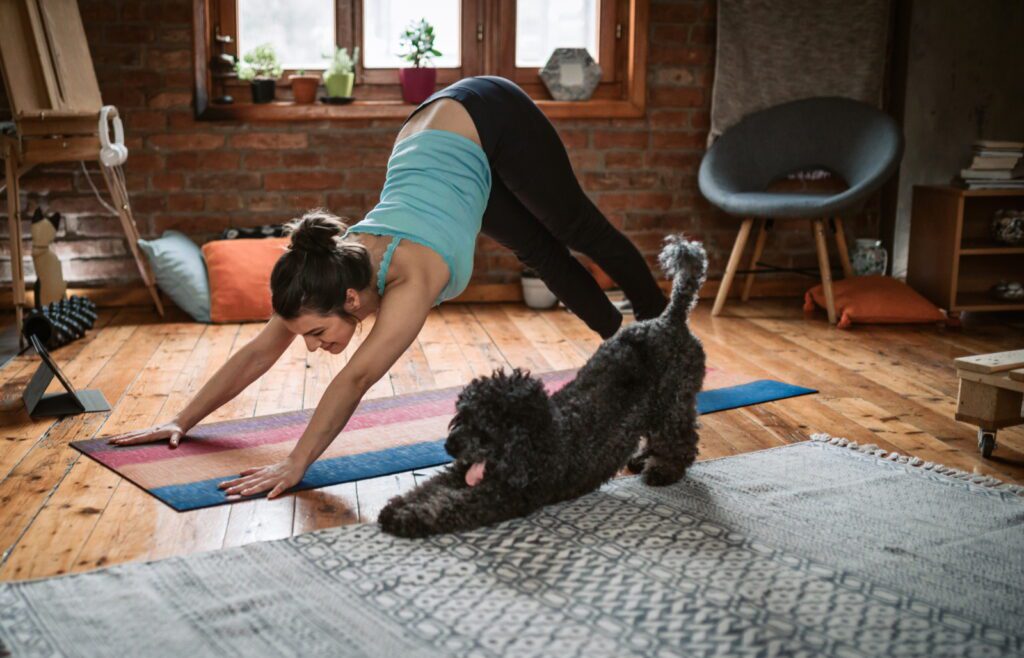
(476, 156)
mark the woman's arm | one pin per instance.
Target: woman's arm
(401, 316)
(243, 368)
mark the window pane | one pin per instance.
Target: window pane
(301, 31)
(385, 20)
(542, 26)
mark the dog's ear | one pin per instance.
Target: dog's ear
(516, 460)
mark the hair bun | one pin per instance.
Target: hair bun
(316, 232)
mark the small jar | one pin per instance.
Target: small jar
(1008, 226)
(868, 257)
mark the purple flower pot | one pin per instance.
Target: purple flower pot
(417, 84)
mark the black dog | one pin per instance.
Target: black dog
(516, 449)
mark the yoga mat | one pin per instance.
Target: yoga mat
(384, 436)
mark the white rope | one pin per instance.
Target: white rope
(118, 173)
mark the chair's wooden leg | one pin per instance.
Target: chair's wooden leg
(733, 265)
(14, 232)
(844, 253)
(762, 235)
(826, 269)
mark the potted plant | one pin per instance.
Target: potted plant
(340, 74)
(304, 86)
(259, 66)
(536, 294)
(418, 82)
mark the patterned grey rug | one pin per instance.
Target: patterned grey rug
(809, 549)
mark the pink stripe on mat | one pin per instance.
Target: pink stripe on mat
(229, 439)
(241, 433)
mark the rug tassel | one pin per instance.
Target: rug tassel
(917, 462)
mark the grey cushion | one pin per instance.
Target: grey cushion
(846, 137)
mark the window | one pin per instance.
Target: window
(385, 19)
(511, 38)
(301, 36)
(542, 26)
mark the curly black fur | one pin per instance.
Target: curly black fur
(641, 383)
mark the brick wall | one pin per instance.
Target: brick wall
(200, 177)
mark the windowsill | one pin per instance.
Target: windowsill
(385, 109)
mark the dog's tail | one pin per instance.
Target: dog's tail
(687, 264)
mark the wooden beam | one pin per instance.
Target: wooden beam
(990, 363)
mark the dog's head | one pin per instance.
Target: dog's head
(501, 424)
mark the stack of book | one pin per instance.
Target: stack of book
(996, 165)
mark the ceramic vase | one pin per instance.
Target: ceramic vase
(868, 257)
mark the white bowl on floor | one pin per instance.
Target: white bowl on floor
(537, 295)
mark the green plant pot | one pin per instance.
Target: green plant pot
(339, 85)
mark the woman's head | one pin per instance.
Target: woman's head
(314, 285)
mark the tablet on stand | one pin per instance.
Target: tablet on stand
(39, 403)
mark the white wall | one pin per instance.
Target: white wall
(965, 81)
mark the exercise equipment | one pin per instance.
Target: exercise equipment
(59, 323)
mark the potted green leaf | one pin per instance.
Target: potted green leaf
(418, 81)
(259, 66)
(341, 73)
(304, 86)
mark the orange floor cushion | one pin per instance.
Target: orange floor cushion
(875, 299)
(239, 273)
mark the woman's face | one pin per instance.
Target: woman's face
(323, 332)
(329, 332)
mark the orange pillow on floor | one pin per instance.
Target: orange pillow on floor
(239, 273)
(879, 299)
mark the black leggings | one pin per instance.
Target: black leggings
(539, 211)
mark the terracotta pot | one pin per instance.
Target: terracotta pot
(304, 87)
(417, 84)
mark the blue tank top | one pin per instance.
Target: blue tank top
(435, 193)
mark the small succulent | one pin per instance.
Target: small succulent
(341, 63)
(418, 40)
(259, 63)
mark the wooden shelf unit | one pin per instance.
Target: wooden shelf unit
(953, 259)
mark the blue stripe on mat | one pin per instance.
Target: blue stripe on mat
(732, 397)
(326, 472)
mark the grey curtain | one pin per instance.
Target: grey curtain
(773, 51)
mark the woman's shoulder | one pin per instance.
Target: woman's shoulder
(414, 261)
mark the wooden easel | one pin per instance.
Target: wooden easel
(55, 100)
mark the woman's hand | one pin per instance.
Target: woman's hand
(277, 478)
(172, 430)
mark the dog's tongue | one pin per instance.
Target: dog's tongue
(475, 474)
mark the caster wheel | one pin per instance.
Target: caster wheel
(986, 443)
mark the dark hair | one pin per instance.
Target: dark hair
(318, 268)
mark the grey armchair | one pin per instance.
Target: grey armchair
(846, 137)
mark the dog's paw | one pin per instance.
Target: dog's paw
(403, 520)
(659, 474)
(637, 462)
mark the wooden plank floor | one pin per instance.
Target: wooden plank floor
(62, 513)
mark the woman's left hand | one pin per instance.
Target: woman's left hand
(276, 478)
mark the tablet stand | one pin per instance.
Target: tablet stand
(39, 403)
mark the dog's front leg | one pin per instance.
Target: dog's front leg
(449, 510)
(452, 477)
